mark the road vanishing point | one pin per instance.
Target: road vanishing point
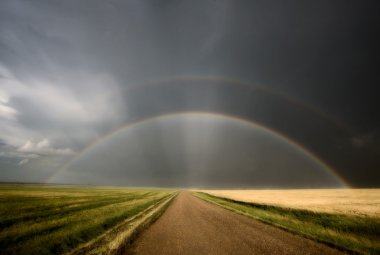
(193, 226)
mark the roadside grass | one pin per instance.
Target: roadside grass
(356, 234)
(118, 239)
(54, 219)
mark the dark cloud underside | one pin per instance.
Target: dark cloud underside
(73, 71)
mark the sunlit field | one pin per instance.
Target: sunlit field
(346, 219)
(345, 201)
(38, 219)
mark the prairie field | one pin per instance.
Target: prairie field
(364, 202)
(345, 219)
(42, 219)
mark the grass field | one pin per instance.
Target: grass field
(364, 202)
(39, 219)
(355, 232)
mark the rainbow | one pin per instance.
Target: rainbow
(250, 87)
(273, 132)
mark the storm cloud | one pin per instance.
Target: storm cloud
(72, 72)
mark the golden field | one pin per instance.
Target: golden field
(365, 202)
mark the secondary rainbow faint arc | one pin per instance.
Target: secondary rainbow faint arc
(250, 86)
(306, 152)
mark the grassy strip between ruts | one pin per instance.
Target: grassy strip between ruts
(40, 219)
(354, 234)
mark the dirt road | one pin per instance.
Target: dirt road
(193, 226)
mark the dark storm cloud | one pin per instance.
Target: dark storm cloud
(67, 69)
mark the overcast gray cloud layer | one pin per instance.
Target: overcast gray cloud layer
(72, 71)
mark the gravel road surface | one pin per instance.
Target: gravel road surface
(193, 226)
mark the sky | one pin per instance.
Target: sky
(204, 93)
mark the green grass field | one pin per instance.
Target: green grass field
(359, 234)
(54, 219)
